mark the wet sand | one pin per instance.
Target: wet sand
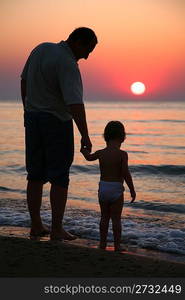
(21, 257)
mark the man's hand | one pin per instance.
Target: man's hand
(133, 196)
(78, 113)
(85, 142)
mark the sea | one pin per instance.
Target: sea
(155, 144)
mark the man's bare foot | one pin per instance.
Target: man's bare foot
(40, 231)
(119, 249)
(102, 246)
(62, 235)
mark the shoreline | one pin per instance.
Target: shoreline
(23, 232)
(21, 257)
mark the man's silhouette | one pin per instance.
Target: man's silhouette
(51, 90)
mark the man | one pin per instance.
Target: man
(51, 89)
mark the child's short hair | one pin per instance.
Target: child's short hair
(114, 130)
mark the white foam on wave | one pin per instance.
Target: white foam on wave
(143, 235)
(10, 217)
(140, 234)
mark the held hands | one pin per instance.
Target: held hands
(84, 150)
(86, 144)
(133, 196)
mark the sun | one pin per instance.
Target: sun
(138, 88)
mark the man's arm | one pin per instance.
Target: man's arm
(78, 113)
(23, 91)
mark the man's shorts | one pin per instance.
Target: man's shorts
(49, 148)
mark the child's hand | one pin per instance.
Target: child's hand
(88, 156)
(133, 196)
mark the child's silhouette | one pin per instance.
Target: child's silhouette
(114, 171)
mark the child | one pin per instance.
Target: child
(114, 170)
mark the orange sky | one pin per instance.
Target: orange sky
(139, 40)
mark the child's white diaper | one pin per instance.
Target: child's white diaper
(110, 191)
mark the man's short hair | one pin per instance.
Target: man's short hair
(84, 34)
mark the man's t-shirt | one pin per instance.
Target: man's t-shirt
(53, 80)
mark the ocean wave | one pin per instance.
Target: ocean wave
(11, 169)
(170, 170)
(150, 146)
(85, 224)
(159, 169)
(137, 151)
(139, 169)
(149, 134)
(159, 206)
(7, 189)
(5, 152)
(158, 121)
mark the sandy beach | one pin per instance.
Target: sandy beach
(21, 257)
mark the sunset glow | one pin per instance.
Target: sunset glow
(135, 41)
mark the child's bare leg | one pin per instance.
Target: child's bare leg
(104, 224)
(116, 226)
(115, 214)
